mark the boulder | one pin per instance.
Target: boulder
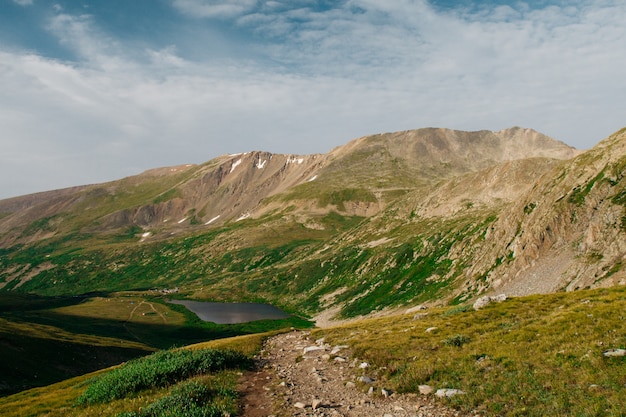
(448, 392)
(614, 353)
(366, 379)
(414, 309)
(312, 349)
(486, 300)
(426, 389)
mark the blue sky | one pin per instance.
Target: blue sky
(95, 90)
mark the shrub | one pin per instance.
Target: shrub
(190, 399)
(457, 340)
(161, 369)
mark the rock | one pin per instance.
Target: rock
(337, 349)
(499, 298)
(420, 316)
(448, 392)
(339, 359)
(486, 300)
(300, 405)
(414, 309)
(431, 329)
(326, 357)
(366, 379)
(614, 353)
(370, 391)
(350, 384)
(316, 403)
(386, 392)
(312, 349)
(426, 389)
(364, 365)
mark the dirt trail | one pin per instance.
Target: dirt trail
(130, 317)
(296, 376)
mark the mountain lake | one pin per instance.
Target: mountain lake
(231, 313)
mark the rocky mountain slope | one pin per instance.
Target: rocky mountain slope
(430, 215)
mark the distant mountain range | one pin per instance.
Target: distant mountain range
(385, 221)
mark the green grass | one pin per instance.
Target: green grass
(201, 397)
(162, 369)
(75, 335)
(530, 356)
(218, 388)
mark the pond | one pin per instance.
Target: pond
(230, 313)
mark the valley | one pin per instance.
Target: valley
(348, 240)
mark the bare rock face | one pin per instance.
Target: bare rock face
(566, 232)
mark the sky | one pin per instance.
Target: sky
(96, 90)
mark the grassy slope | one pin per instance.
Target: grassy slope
(75, 335)
(60, 399)
(531, 356)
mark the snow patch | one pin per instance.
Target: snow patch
(182, 220)
(294, 160)
(144, 236)
(235, 165)
(235, 154)
(313, 178)
(243, 217)
(212, 220)
(261, 164)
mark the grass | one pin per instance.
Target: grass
(531, 356)
(60, 399)
(162, 369)
(76, 335)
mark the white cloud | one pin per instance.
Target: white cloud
(23, 2)
(336, 75)
(214, 8)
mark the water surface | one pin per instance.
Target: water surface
(230, 313)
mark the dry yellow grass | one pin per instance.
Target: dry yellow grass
(532, 356)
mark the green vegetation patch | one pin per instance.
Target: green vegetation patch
(168, 195)
(194, 398)
(339, 197)
(580, 193)
(159, 370)
(532, 356)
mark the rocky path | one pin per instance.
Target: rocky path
(296, 376)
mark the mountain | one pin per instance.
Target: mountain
(429, 215)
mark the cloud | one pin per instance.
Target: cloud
(23, 2)
(319, 78)
(214, 8)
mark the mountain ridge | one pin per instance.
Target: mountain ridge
(432, 215)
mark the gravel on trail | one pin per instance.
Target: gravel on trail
(296, 376)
